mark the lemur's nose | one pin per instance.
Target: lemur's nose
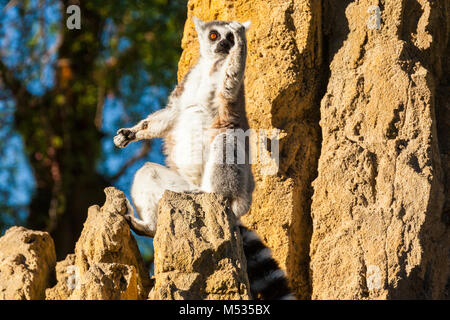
(224, 44)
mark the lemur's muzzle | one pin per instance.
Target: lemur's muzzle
(223, 46)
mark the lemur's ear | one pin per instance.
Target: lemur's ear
(247, 25)
(199, 25)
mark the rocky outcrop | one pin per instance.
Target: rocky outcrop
(359, 207)
(198, 249)
(198, 246)
(283, 79)
(106, 264)
(374, 76)
(378, 200)
(27, 260)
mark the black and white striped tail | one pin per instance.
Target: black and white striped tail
(267, 280)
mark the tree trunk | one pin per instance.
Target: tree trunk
(62, 140)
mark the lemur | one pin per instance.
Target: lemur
(195, 125)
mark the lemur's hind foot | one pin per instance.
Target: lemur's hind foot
(138, 226)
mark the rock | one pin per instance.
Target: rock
(283, 79)
(66, 278)
(27, 261)
(363, 111)
(381, 206)
(198, 249)
(378, 199)
(106, 264)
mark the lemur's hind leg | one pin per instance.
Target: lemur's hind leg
(149, 184)
(229, 174)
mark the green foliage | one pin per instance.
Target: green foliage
(59, 80)
(152, 33)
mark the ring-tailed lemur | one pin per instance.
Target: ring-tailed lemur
(196, 125)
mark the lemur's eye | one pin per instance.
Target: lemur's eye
(213, 35)
(230, 37)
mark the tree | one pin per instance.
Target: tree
(61, 122)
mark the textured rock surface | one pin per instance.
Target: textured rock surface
(377, 226)
(198, 250)
(282, 84)
(106, 263)
(378, 200)
(27, 260)
(381, 205)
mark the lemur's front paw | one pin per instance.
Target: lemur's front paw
(238, 29)
(124, 137)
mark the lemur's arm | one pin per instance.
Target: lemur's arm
(235, 64)
(156, 125)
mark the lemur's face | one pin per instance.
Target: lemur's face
(216, 37)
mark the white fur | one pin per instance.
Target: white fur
(288, 297)
(195, 117)
(262, 255)
(247, 25)
(260, 284)
(149, 184)
(250, 235)
(187, 118)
